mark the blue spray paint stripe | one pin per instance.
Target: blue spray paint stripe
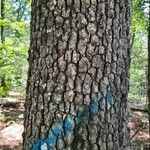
(56, 132)
(57, 129)
(37, 144)
(67, 126)
(82, 115)
(94, 107)
(51, 141)
(110, 95)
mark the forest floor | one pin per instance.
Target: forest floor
(11, 127)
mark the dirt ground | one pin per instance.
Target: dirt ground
(11, 128)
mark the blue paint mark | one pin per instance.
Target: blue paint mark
(79, 117)
(57, 129)
(37, 145)
(95, 104)
(109, 96)
(66, 127)
(82, 115)
(101, 105)
(94, 107)
(51, 141)
(44, 146)
(68, 124)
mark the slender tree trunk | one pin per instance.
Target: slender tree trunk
(2, 37)
(148, 92)
(78, 76)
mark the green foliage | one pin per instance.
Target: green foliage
(138, 70)
(139, 15)
(4, 22)
(13, 52)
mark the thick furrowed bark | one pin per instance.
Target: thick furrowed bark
(78, 76)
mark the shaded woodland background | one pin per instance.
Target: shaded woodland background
(14, 45)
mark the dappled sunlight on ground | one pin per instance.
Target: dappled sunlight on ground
(11, 136)
(139, 126)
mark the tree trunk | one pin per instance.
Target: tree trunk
(2, 37)
(148, 91)
(78, 76)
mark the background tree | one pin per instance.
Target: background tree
(2, 37)
(2, 17)
(149, 68)
(78, 75)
